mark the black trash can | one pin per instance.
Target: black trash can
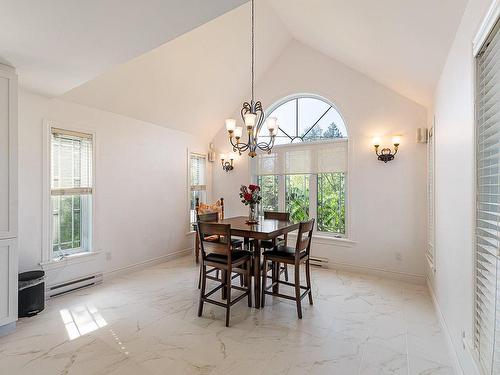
(31, 293)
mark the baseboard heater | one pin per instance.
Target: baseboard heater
(70, 286)
(318, 262)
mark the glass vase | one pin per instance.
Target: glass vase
(252, 214)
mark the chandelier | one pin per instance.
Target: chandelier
(253, 118)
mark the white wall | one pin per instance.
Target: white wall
(387, 201)
(141, 182)
(454, 188)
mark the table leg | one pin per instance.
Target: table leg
(256, 273)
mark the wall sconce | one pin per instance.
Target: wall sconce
(386, 154)
(226, 165)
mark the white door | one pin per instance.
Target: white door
(8, 154)
(8, 281)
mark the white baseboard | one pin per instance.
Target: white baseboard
(449, 342)
(408, 277)
(147, 263)
(7, 328)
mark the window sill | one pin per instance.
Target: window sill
(329, 240)
(70, 259)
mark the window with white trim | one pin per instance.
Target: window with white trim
(71, 190)
(306, 172)
(487, 257)
(197, 183)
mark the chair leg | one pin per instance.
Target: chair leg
(224, 282)
(275, 267)
(200, 276)
(297, 291)
(308, 280)
(228, 295)
(203, 269)
(264, 282)
(249, 282)
(242, 282)
(285, 266)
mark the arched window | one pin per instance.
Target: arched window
(305, 118)
(306, 172)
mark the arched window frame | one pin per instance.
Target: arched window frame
(313, 178)
(289, 98)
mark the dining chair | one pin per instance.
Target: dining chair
(293, 256)
(222, 256)
(213, 217)
(282, 216)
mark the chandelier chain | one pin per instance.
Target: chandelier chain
(253, 47)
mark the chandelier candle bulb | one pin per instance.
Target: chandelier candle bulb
(249, 120)
(230, 125)
(271, 123)
(238, 132)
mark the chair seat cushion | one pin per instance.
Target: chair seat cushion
(283, 252)
(269, 244)
(235, 257)
(213, 238)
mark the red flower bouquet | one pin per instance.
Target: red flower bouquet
(251, 196)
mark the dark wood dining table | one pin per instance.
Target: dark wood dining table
(265, 229)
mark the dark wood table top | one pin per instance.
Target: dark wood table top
(265, 229)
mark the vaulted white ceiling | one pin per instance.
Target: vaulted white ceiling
(56, 45)
(192, 80)
(195, 81)
(402, 44)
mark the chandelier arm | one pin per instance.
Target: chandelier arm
(238, 146)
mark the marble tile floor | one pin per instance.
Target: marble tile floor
(145, 323)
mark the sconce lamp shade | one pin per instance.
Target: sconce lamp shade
(396, 140)
(376, 141)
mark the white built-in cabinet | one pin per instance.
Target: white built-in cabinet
(8, 195)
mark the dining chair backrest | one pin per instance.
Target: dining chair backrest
(272, 215)
(206, 230)
(208, 217)
(304, 238)
(204, 208)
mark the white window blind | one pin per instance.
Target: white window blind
(198, 165)
(430, 198)
(198, 184)
(71, 163)
(304, 158)
(487, 301)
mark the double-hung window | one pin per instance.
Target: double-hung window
(487, 253)
(306, 173)
(71, 190)
(198, 184)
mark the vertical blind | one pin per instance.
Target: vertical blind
(71, 163)
(487, 301)
(430, 197)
